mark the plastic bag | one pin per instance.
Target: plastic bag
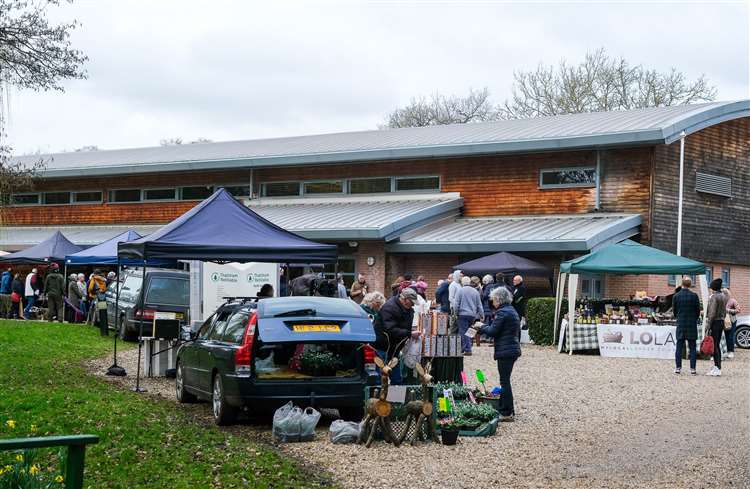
(344, 431)
(266, 365)
(308, 422)
(286, 423)
(412, 352)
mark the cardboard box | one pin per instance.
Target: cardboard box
(452, 349)
(443, 323)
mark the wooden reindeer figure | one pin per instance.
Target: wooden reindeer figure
(377, 409)
(420, 411)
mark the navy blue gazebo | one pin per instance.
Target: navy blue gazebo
(53, 249)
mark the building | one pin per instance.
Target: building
(420, 200)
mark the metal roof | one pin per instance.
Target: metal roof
(657, 125)
(20, 237)
(581, 232)
(367, 217)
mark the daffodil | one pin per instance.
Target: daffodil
(33, 428)
(2, 470)
(19, 458)
(34, 469)
(8, 468)
(10, 424)
(59, 479)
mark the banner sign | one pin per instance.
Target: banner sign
(644, 341)
(235, 280)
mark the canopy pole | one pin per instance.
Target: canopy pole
(679, 198)
(572, 293)
(138, 387)
(558, 302)
(115, 369)
(65, 292)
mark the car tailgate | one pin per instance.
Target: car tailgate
(315, 329)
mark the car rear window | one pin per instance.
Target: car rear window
(322, 306)
(236, 328)
(166, 290)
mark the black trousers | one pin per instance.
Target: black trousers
(505, 368)
(717, 328)
(103, 327)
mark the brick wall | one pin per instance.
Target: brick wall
(375, 275)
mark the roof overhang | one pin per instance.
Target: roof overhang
(566, 233)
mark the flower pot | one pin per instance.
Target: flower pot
(492, 401)
(449, 437)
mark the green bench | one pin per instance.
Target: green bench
(76, 450)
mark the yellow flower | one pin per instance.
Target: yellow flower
(8, 468)
(10, 424)
(2, 470)
(59, 479)
(19, 458)
(33, 428)
(34, 469)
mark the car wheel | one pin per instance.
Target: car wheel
(742, 336)
(351, 413)
(183, 396)
(224, 414)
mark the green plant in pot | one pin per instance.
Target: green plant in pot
(319, 363)
(449, 430)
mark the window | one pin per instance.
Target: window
(238, 190)
(369, 186)
(159, 194)
(217, 332)
(346, 267)
(725, 277)
(25, 199)
(280, 189)
(331, 187)
(236, 328)
(52, 198)
(87, 197)
(405, 184)
(672, 280)
(196, 193)
(709, 274)
(125, 195)
(171, 291)
(567, 177)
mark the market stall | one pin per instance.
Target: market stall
(636, 328)
(53, 249)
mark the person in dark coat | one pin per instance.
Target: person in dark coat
(54, 287)
(17, 287)
(686, 308)
(519, 296)
(393, 326)
(442, 297)
(505, 329)
(715, 313)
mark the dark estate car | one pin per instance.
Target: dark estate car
(255, 356)
(166, 291)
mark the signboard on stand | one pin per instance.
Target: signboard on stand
(642, 341)
(234, 280)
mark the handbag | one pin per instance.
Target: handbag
(727, 322)
(707, 346)
(15, 297)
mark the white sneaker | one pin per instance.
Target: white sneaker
(677, 370)
(714, 372)
(730, 354)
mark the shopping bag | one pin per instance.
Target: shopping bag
(344, 431)
(286, 423)
(707, 346)
(412, 353)
(308, 421)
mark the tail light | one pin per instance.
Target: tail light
(369, 354)
(147, 314)
(243, 357)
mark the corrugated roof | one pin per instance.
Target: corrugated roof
(656, 125)
(582, 232)
(19, 237)
(371, 217)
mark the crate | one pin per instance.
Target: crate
(488, 428)
(398, 413)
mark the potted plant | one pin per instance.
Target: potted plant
(449, 430)
(319, 363)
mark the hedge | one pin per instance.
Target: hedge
(540, 312)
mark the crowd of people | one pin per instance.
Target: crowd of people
(75, 298)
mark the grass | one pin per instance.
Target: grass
(144, 442)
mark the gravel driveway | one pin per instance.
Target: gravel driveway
(581, 422)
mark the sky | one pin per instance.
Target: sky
(229, 70)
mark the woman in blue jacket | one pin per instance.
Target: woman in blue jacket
(505, 329)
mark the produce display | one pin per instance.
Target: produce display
(462, 411)
(615, 311)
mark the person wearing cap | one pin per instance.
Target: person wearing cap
(31, 290)
(393, 326)
(74, 295)
(715, 312)
(359, 289)
(54, 287)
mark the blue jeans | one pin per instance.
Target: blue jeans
(29, 304)
(729, 336)
(680, 349)
(395, 375)
(464, 322)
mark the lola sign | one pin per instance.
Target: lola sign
(644, 341)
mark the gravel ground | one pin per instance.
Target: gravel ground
(581, 422)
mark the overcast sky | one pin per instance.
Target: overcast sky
(227, 70)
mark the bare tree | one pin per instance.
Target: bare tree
(33, 55)
(599, 83)
(441, 109)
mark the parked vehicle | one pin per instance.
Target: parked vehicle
(258, 356)
(166, 291)
(742, 337)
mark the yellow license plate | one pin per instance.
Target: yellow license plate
(316, 328)
(179, 315)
